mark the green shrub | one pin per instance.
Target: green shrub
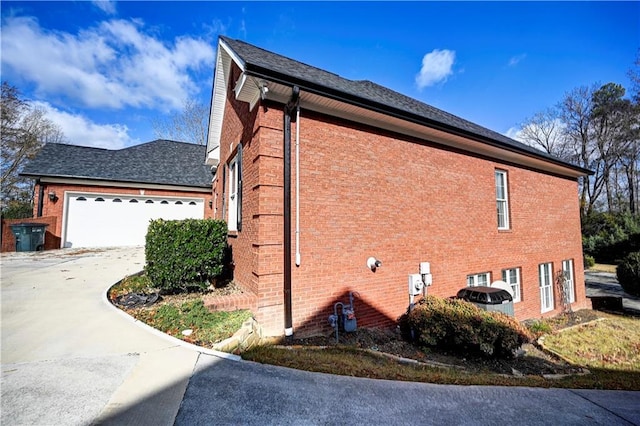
(17, 210)
(539, 327)
(457, 324)
(186, 254)
(589, 261)
(608, 237)
(628, 272)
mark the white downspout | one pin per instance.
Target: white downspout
(298, 186)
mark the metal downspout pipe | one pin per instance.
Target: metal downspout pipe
(291, 106)
(40, 198)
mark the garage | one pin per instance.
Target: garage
(105, 220)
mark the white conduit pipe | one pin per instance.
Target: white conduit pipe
(298, 186)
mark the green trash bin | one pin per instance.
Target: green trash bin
(29, 236)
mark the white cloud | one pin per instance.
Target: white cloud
(107, 6)
(514, 60)
(79, 130)
(514, 133)
(436, 67)
(114, 65)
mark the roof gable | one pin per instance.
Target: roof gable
(160, 162)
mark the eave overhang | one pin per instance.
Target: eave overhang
(250, 88)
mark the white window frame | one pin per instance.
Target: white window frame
(473, 280)
(569, 282)
(545, 279)
(232, 219)
(512, 277)
(502, 199)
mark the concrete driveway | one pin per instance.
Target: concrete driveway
(69, 358)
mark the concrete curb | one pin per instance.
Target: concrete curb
(165, 336)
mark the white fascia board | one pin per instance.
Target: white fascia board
(133, 185)
(224, 56)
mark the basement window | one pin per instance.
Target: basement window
(568, 287)
(512, 277)
(476, 280)
(545, 277)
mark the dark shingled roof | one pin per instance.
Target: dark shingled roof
(160, 162)
(370, 95)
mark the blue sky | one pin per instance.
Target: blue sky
(105, 70)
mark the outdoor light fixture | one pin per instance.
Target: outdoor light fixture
(52, 196)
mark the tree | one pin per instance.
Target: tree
(24, 131)
(575, 113)
(599, 129)
(545, 131)
(188, 125)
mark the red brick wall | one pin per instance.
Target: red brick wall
(404, 202)
(257, 248)
(51, 240)
(365, 193)
(55, 208)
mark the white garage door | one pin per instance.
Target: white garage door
(98, 220)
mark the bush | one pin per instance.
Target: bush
(628, 272)
(539, 327)
(608, 237)
(457, 324)
(589, 261)
(17, 210)
(185, 254)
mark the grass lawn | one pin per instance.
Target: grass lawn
(613, 343)
(601, 267)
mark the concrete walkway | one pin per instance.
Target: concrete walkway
(70, 358)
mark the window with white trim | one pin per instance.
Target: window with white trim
(512, 277)
(502, 199)
(545, 277)
(234, 220)
(233, 195)
(569, 287)
(476, 280)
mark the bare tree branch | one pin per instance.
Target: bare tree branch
(188, 125)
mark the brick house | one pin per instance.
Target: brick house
(316, 174)
(94, 197)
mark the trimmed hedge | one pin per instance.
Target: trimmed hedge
(457, 324)
(185, 255)
(628, 273)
